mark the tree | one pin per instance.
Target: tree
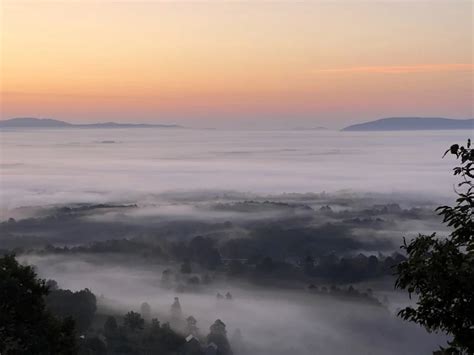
(176, 314)
(52, 285)
(267, 265)
(186, 267)
(93, 346)
(80, 306)
(236, 268)
(145, 310)
(26, 326)
(133, 321)
(169, 340)
(191, 326)
(218, 336)
(155, 325)
(441, 271)
(110, 326)
(204, 252)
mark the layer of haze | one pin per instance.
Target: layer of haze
(236, 64)
(272, 322)
(178, 179)
(41, 167)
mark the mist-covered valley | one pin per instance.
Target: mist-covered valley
(290, 238)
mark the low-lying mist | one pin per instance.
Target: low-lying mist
(120, 252)
(271, 320)
(341, 223)
(301, 228)
(70, 166)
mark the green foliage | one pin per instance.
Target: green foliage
(441, 271)
(26, 327)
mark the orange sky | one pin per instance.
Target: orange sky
(236, 63)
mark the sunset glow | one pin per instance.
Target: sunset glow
(212, 63)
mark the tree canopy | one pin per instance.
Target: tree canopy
(440, 271)
(80, 306)
(26, 326)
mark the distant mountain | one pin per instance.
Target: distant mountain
(412, 124)
(125, 125)
(31, 122)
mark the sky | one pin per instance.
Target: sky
(236, 64)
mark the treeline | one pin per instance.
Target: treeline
(274, 228)
(203, 254)
(135, 333)
(112, 246)
(351, 269)
(285, 249)
(184, 280)
(349, 293)
(36, 317)
(328, 269)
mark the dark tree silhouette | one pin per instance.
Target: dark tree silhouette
(204, 252)
(80, 306)
(26, 327)
(133, 321)
(441, 271)
(186, 267)
(218, 336)
(267, 265)
(236, 268)
(93, 346)
(110, 326)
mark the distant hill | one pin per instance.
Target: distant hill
(412, 124)
(31, 122)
